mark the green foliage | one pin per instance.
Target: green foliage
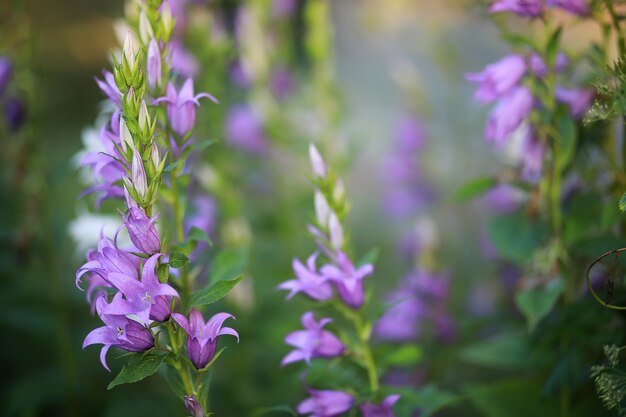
(140, 366)
(213, 293)
(474, 188)
(610, 381)
(512, 398)
(515, 236)
(508, 351)
(403, 356)
(178, 259)
(428, 399)
(536, 303)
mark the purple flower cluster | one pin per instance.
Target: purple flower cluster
(535, 8)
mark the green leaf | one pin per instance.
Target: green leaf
(622, 203)
(536, 303)
(508, 351)
(178, 259)
(203, 145)
(369, 258)
(214, 293)
(277, 409)
(428, 399)
(515, 236)
(512, 398)
(140, 366)
(173, 165)
(552, 47)
(474, 188)
(199, 235)
(229, 263)
(567, 142)
(404, 356)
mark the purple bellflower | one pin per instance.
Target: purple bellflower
(532, 155)
(139, 297)
(498, 78)
(142, 231)
(308, 281)
(347, 279)
(384, 409)
(539, 67)
(109, 88)
(202, 340)
(108, 258)
(525, 8)
(6, 70)
(118, 331)
(578, 99)
(193, 406)
(578, 7)
(181, 106)
(325, 403)
(244, 130)
(401, 321)
(508, 114)
(313, 342)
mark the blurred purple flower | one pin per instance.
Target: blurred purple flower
(508, 114)
(183, 62)
(284, 8)
(539, 67)
(181, 106)
(202, 337)
(118, 331)
(325, 403)
(281, 82)
(6, 69)
(238, 75)
(525, 8)
(109, 88)
(503, 198)
(347, 279)
(533, 151)
(384, 409)
(153, 69)
(313, 342)
(401, 322)
(14, 114)
(577, 7)
(408, 134)
(142, 231)
(308, 281)
(578, 99)
(244, 129)
(498, 78)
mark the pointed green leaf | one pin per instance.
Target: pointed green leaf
(178, 259)
(474, 188)
(213, 293)
(536, 303)
(140, 366)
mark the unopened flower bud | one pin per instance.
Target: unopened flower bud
(130, 202)
(139, 174)
(125, 136)
(145, 29)
(167, 20)
(153, 69)
(335, 231)
(144, 117)
(322, 210)
(129, 51)
(129, 100)
(339, 192)
(193, 406)
(317, 163)
(155, 155)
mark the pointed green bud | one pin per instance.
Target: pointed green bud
(125, 137)
(145, 28)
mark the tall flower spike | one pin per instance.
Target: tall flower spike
(313, 342)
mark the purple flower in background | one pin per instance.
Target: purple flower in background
(498, 78)
(284, 8)
(408, 134)
(525, 8)
(577, 7)
(508, 114)
(244, 129)
(182, 61)
(140, 297)
(347, 279)
(14, 114)
(118, 331)
(401, 322)
(181, 106)
(153, 69)
(504, 198)
(238, 75)
(532, 156)
(578, 99)
(281, 82)
(202, 340)
(313, 342)
(6, 70)
(109, 88)
(308, 281)
(193, 406)
(142, 231)
(385, 409)
(539, 67)
(325, 403)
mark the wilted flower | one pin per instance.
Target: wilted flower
(578, 99)
(181, 110)
(5, 73)
(384, 409)
(153, 69)
(244, 129)
(119, 331)
(577, 7)
(202, 340)
(347, 279)
(313, 342)
(308, 281)
(325, 403)
(498, 78)
(142, 231)
(508, 114)
(526, 8)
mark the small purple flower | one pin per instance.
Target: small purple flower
(181, 106)
(498, 78)
(401, 322)
(281, 82)
(108, 258)
(202, 340)
(142, 231)
(539, 67)
(578, 99)
(140, 297)
(118, 331)
(6, 69)
(325, 403)
(317, 162)
(238, 74)
(193, 406)
(408, 134)
(14, 114)
(385, 409)
(308, 281)
(525, 8)
(508, 114)
(347, 279)
(504, 198)
(153, 69)
(245, 130)
(578, 7)
(313, 342)
(109, 88)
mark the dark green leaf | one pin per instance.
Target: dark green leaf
(513, 398)
(214, 293)
(515, 236)
(508, 350)
(140, 366)
(277, 409)
(536, 303)
(178, 259)
(552, 47)
(474, 188)
(199, 235)
(622, 203)
(229, 263)
(407, 355)
(428, 400)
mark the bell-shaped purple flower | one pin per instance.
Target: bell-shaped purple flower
(578, 99)
(142, 231)
(119, 331)
(109, 88)
(347, 279)
(504, 198)
(508, 114)
(539, 67)
(313, 342)
(525, 8)
(578, 7)
(193, 406)
(308, 281)
(108, 258)
(384, 409)
(153, 69)
(498, 78)
(6, 70)
(202, 340)
(181, 106)
(140, 297)
(244, 130)
(401, 322)
(325, 403)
